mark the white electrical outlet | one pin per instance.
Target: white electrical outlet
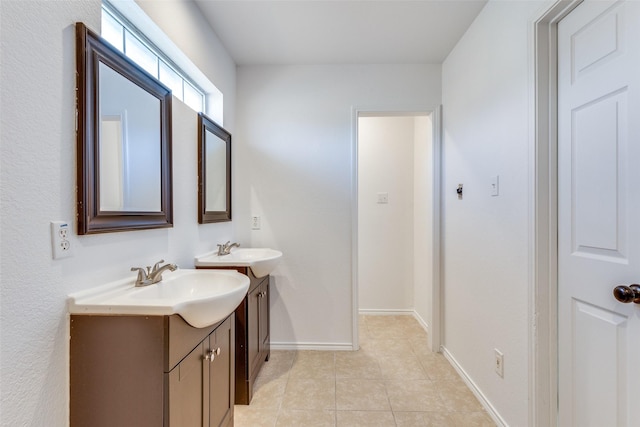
(383, 198)
(255, 223)
(499, 362)
(60, 239)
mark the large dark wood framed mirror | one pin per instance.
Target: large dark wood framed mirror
(214, 172)
(123, 141)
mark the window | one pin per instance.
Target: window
(122, 34)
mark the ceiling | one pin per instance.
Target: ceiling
(339, 31)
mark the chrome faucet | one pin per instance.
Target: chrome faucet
(149, 276)
(225, 249)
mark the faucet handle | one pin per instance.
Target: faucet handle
(156, 265)
(142, 278)
(141, 271)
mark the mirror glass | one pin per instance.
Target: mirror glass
(216, 185)
(124, 141)
(129, 145)
(214, 172)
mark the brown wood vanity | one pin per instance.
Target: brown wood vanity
(252, 338)
(158, 370)
(151, 371)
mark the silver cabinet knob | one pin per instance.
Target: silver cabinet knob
(211, 354)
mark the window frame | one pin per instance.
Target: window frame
(128, 28)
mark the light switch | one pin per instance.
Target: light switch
(383, 197)
(495, 185)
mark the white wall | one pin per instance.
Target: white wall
(423, 218)
(486, 117)
(385, 231)
(393, 158)
(294, 145)
(37, 185)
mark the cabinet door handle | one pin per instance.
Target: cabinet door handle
(211, 354)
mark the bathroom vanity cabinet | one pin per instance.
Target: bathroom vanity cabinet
(252, 338)
(151, 371)
(253, 341)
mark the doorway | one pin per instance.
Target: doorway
(396, 216)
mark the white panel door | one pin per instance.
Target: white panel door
(598, 213)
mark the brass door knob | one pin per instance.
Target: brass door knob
(627, 294)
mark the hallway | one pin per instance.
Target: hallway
(393, 380)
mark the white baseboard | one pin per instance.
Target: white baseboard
(474, 389)
(378, 312)
(421, 321)
(311, 346)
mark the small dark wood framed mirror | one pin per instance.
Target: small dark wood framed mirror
(214, 172)
(123, 141)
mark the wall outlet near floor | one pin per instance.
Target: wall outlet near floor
(499, 363)
(255, 223)
(383, 198)
(60, 243)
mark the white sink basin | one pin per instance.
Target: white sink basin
(262, 261)
(201, 297)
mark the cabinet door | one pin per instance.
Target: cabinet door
(253, 329)
(264, 319)
(221, 375)
(185, 390)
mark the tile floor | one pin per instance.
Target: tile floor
(393, 380)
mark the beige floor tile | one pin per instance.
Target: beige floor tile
(425, 419)
(365, 419)
(402, 366)
(416, 395)
(409, 419)
(440, 419)
(279, 364)
(296, 418)
(364, 395)
(369, 347)
(414, 331)
(390, 331)
(351, 389)
(310, 394)
(268, 392)
(420, 347)
(313, 364)
(473, 419)
(393, 346)
(248, 416)
(363, 335)
(457, 397)
(437, 367)
(357, 364)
